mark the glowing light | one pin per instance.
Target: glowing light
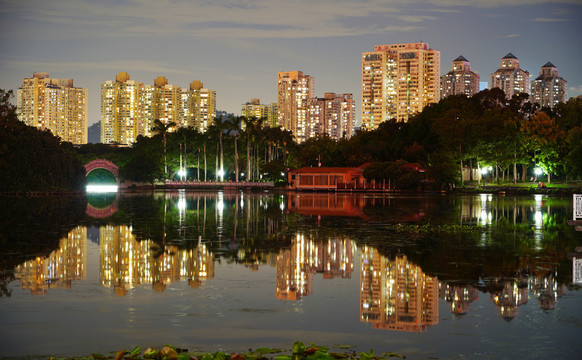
(101, 188)
(538, 171)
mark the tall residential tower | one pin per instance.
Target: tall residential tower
(460, 80)
(398, 80)
(334, 114)
(548, 89)
(129, 108)
(510, 77)
(254, 108)
(54, 104)
(294, 89)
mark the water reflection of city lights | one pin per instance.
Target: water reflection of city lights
(220, 203)
(182, 200)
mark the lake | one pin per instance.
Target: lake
(424, 276)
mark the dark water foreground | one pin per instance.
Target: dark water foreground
(451, 277)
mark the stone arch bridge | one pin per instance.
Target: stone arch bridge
(103, 164)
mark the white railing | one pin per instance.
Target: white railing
(577, 206)
(577, 271)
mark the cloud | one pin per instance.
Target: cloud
(509, 36)
(214, 19)
(550, 20)
(114, 66)
(415, 18)
(574, 90)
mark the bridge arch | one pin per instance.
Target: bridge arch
(103, 164)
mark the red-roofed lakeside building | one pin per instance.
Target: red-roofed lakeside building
(327, 178)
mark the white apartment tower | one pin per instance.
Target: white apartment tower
(549, 89)
(510, 77)
(398, 80)
(460, 80)
(54, 104)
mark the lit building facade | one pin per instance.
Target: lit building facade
(54, 104)
(334, 114)
(129, 108)
(294, 89)
(460, 80)
(198, 106)
(122, 110)
(548, 89)
(254, 108)
(510, 77)
(398, 80)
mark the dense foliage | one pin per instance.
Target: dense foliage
(508, 137)
(33, 159)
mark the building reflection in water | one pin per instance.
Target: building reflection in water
(126, 263)
(296, 265)
(326, 204)
(547, 290)
(458, 296)
(396, 294)
(60, 268)
(510, 298)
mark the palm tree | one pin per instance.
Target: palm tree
(248, 121)
(161, 128)
(234, 124)
(220, 126)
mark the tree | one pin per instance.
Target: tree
(161, 128)
(33, 159)
(233, 123)
(542, 138)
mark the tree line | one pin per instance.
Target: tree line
(486, 132)
(508, 138)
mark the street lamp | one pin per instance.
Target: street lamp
(182, 173)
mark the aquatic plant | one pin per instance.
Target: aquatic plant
(298, 352)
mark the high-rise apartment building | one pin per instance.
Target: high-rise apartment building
(294, 89)
(254, 108)
(54, 104)
(548, 89)
(198, 106)
(460, 80)
(334, 114)
(398, 81)
(122, 110)
(129, 108)
(510, 77)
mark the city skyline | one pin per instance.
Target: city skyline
(230, 46)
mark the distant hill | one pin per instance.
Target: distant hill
(94, 133)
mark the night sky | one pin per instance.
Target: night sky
(237, 47)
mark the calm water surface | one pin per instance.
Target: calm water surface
(451, 277)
